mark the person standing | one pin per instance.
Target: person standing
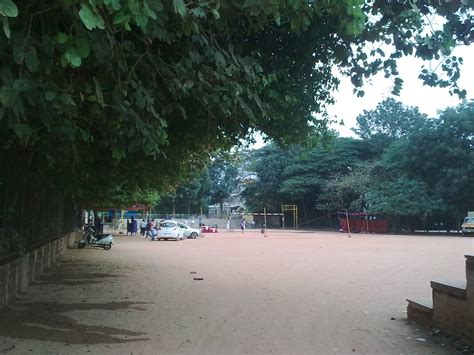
(242, 225)
(149, 228)
(228, 224)
(142, 227)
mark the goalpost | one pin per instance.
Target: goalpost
(290, 208)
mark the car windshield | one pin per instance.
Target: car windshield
(469, 220)
(182, 226)
(167, 224)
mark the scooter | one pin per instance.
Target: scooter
(96, 240)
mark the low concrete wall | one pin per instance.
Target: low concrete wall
(470, 277)
(16, 275)
(451, 314)
(453, 311)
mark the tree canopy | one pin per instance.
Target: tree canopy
(104, 95)
(390, 119)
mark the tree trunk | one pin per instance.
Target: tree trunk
(221, 206)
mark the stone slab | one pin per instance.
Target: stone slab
(453, 288)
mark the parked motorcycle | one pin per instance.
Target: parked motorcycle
(92, 238)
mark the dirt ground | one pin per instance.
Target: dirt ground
(237, 293)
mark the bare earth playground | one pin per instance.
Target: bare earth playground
(234, 292)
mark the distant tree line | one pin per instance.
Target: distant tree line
(416, 170)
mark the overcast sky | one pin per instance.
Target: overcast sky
(429, 100)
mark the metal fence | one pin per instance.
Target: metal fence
(33, 212)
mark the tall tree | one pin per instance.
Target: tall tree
(390, 120)
(223, 178)
(441, 156)
(268, 164)
(308, 173)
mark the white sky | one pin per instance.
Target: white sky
(429, 100)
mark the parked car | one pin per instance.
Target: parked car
(468, 225)
(189, 232)
(170, 230)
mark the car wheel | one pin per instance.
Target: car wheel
(194, 235)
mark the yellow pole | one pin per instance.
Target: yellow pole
(296, 216)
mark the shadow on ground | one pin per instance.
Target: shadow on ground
(72, 279)
(72, 273)
(43, 321)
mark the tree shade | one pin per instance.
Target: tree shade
(114, 101)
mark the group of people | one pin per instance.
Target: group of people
(148, 228)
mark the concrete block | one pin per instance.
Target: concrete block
(17, 278)
(24, 277)
(38, 262)
(19, 273)
(470, 276)
(455, 289)
(31, 266)
(420, 312)
(11, 281)
(3, 285)
(73, 238)
(450, 313)
(50, 260)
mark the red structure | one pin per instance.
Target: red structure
(362, 222)
(207, 229)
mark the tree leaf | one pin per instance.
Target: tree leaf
(49, 95)
(215, 13)
(73, 57)
(148, 11)
(141, 21)
(62, 37)
(22, 130)
(219, 58)
(98, 92)
(180, 7)
(198, 12)
(189, 84)
(7, 96)
(22, 85)
(90, 18)
(114, 3)
(118, 153)
(31, 61)
(82, 45)
(8, 8)
(157, 5)
(6, 27)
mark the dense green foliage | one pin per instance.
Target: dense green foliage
(390, 120)
(189, 198)
(427, 175)
(114, 101)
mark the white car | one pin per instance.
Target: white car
(189, 232)
(170, 230)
